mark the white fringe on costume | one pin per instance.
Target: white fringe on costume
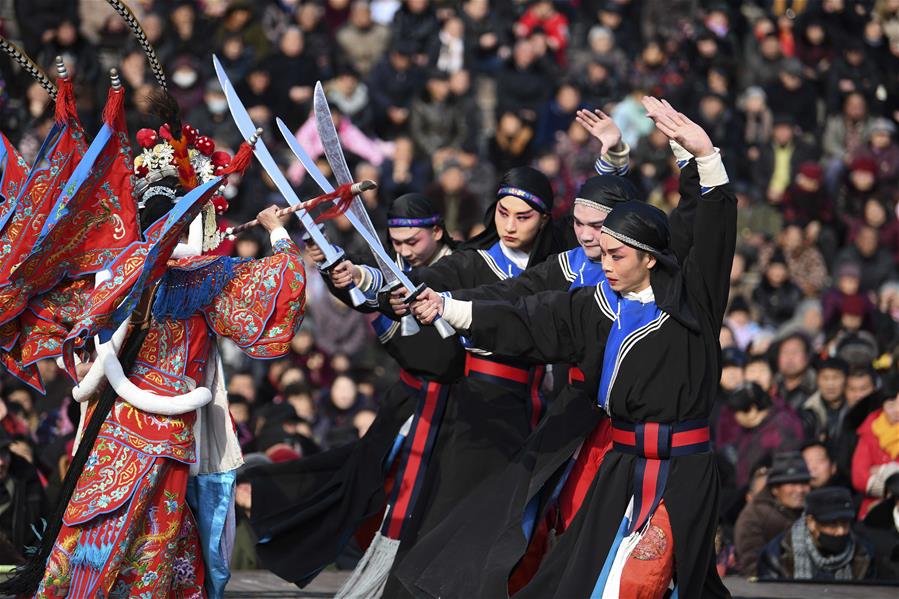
(370, 576)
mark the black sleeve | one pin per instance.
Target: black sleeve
(708, 263)
(546, 328)
(546, 276)
(447, 274)
(682, 218)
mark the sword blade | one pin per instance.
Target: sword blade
(247, 129)
(371, 239)
(334, 151)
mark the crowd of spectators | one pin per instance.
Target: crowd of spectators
(443, 96)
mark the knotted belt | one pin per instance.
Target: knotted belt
(522, 380)
(654, 444)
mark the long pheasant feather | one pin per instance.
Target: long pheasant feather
(133, 24)
(29, 65)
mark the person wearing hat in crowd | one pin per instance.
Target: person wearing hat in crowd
(876, 455)
(883, 150)
(793, 94)
(820, 545)
(648, 315)
(393, 83)
(806, 200)
(822, 413)
(772, 511)
(761, 428)
(881, 528)
(848, 285)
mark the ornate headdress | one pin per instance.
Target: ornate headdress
(190, 159)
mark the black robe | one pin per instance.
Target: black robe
(486, 422)
(670, 376)
(307, 510)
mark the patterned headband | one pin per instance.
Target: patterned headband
(591, 204)
(630, 241)
(524, 195)
(427, 221)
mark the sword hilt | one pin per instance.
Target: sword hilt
(445, 329)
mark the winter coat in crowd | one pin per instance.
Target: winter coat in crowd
(363, 47)
(875, 459)
(760, 521)
(792, 555)
(781, 430)
(881, 529)
(776, 304)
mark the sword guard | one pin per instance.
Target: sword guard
(336, 259)
(414, 293)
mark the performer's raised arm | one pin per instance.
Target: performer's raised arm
(614, 156)
(708, 263)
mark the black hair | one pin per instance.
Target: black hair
(297, 389)
(816, 443)
(156, 206)
(802, 337)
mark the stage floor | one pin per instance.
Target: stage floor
(262, 585)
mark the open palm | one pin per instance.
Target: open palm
(678, 127)
(600, 126)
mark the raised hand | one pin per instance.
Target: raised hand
(601, 126)
(678, 127)
(427, 306)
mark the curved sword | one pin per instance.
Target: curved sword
(370, 238)
(333, 255)
(334, 154)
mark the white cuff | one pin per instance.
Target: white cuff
(278, 234)
(364, 284)
(711, 170)
(457, 313)
(680, 154)
(620, 158)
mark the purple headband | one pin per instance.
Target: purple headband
(524, 195)
(428, 221)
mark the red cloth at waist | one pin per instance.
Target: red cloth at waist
(575, 375)
(504, 371)
(660, 441)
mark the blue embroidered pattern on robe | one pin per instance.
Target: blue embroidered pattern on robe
(633, 321)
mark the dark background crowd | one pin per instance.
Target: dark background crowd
(442, 96)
